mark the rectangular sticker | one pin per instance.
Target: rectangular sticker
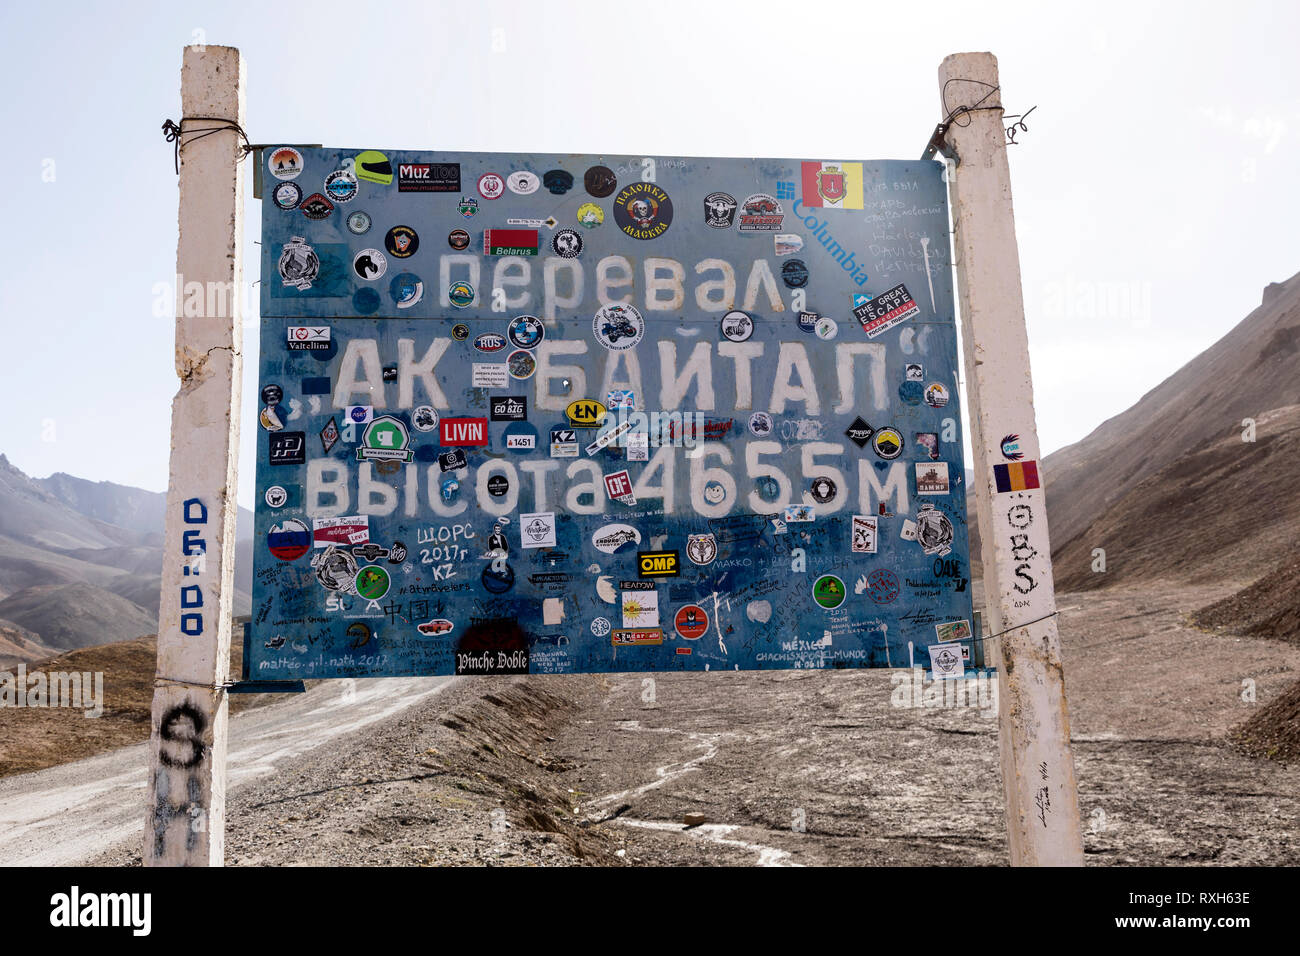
(428, 177)
(309, 338)
(886, 310)
(509, 242)
(864, 534)
(489, 375)
(537, 530)
(931, 477)
(946, 661)
(1017, 476)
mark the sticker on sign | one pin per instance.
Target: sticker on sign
(308, 338)
(885, 311)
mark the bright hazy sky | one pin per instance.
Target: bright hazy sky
(1154, 171)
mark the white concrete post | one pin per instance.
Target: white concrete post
(185, 825)
(1042, 801)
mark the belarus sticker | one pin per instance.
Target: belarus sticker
(510, 242)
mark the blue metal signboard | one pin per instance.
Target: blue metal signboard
(559, 413)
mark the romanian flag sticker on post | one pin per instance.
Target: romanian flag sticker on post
(1017, 476)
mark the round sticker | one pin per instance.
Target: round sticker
(284, 163)
(460, 332)
(760, 424)
(882, 586)
(461, 294)
(276, 496)
(715, 493)
(497, 578)
(888, 442)
(600, 626)
(406, 289)
(401, 242)
(372, 582)
(826, 328)
(737, 326)
(523, 182)
(590, 215)
(910, 392)
(828, 591)
(272, 395)
(289, 540)
(365, 301)
(498, 485)
(599, 181)
(287, 195)
(458, 239)
(618, 327)
(491, 186)
(643, 211)
(373, 166)
(526, 331)
(359, 223)
(521, 364)
(567, 244)
(794, 274)
(340, 186)
(823, 490)
(424, 418)
(768, 488)
(369, 264)
(936, 395)
(691, 622)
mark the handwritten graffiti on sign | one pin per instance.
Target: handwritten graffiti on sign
(593, 413)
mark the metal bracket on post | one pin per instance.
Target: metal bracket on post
(1042, 801)
(939, 144)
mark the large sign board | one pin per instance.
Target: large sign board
(544, 413)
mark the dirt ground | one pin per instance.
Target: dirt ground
(796, 767)
(34, 738)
